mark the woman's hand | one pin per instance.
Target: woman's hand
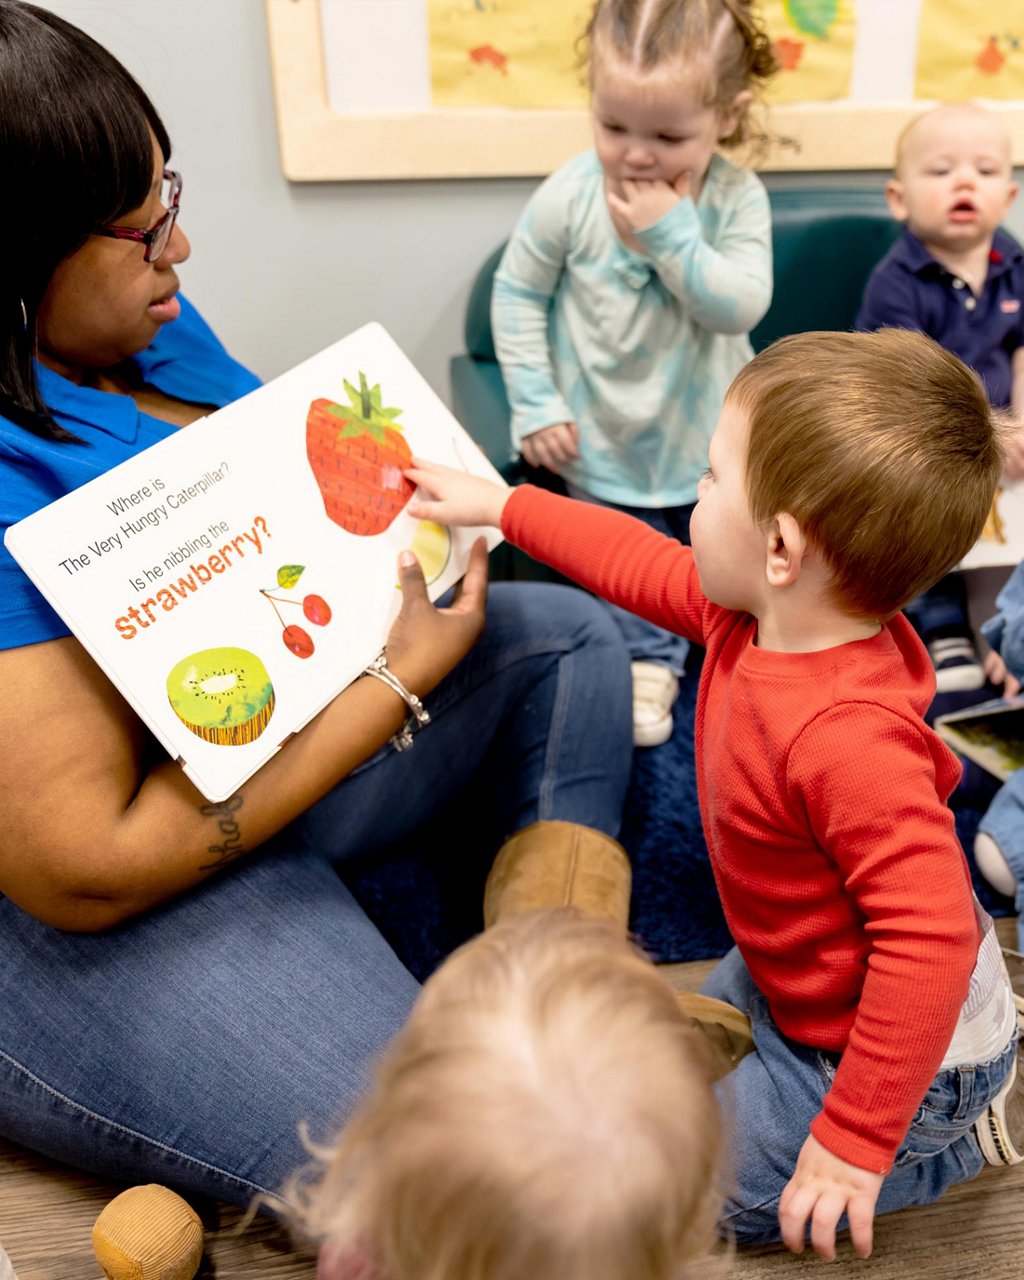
(425, 642)
(553, 447)
(455, 497)
(99, 828)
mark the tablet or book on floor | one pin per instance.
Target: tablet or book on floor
(991, 734)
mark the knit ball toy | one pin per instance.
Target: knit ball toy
(148, 1233)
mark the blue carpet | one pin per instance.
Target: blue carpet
(427, 900)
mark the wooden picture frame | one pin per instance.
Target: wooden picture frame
(319, 145)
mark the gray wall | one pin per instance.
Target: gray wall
(283, 269)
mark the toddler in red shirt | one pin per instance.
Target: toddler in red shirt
(848, 472)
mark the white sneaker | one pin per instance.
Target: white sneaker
(655, 690)
(956, 663)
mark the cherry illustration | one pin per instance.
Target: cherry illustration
(317, 610)
(298, 641)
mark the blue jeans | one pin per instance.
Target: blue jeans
(1004, 821)
(187, 1046)
(775, 1092)
(645, 641)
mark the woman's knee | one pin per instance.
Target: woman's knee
(570, 617)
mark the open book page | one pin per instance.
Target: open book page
(234, 578)
(991, 734)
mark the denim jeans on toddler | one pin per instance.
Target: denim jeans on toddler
(1004, 820)
(774, 1094)
(645, 641)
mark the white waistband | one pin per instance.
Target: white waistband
(988, 1019)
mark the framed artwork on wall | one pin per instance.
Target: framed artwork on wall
(405, 89)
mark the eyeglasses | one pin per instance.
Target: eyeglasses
(158, 236)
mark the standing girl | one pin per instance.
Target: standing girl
(624, 298)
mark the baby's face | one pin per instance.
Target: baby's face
(954, 182)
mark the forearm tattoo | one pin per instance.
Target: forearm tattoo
(225, 814)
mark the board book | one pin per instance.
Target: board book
(232, 579)
(991, 734)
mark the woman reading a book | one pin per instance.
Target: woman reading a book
(184, 984)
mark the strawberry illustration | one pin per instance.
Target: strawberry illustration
(358, 456)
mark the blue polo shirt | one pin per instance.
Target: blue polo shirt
(910, 290)
(185, 360)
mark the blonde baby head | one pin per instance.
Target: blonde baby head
(953, 180)
(545, 1112)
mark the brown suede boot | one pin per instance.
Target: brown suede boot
(559, 864)
(727, 1031)
(563, 864)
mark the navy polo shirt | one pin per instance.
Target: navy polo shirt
(910, 290)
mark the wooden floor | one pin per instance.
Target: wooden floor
(976, 1232)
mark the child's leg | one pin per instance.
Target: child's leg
(775, 1092)
(999, 847)
(657, 655)
(940, 615)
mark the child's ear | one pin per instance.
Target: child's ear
(894, 199)
(785, 550)
(732, 115)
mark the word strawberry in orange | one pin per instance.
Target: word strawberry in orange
(359, 456)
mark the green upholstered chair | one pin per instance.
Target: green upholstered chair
(825, 242)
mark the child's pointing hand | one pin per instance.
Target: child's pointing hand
(455, 497)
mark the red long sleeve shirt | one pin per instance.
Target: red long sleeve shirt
(822, 794)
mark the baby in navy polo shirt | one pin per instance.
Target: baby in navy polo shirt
(957, 277)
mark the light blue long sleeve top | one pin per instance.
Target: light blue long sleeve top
(638, 349)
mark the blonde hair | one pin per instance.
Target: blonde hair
(545, 1113)
(882, 446)
(949, 108)
(726, 36)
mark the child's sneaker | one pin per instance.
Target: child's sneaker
(957, 668)
(1000, 1131)
(655, 690)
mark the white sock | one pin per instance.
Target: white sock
(993, 866)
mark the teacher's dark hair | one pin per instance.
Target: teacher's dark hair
(75, 154)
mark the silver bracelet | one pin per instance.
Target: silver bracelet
(418, 714)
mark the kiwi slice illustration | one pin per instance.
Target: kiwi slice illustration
(222, 695)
